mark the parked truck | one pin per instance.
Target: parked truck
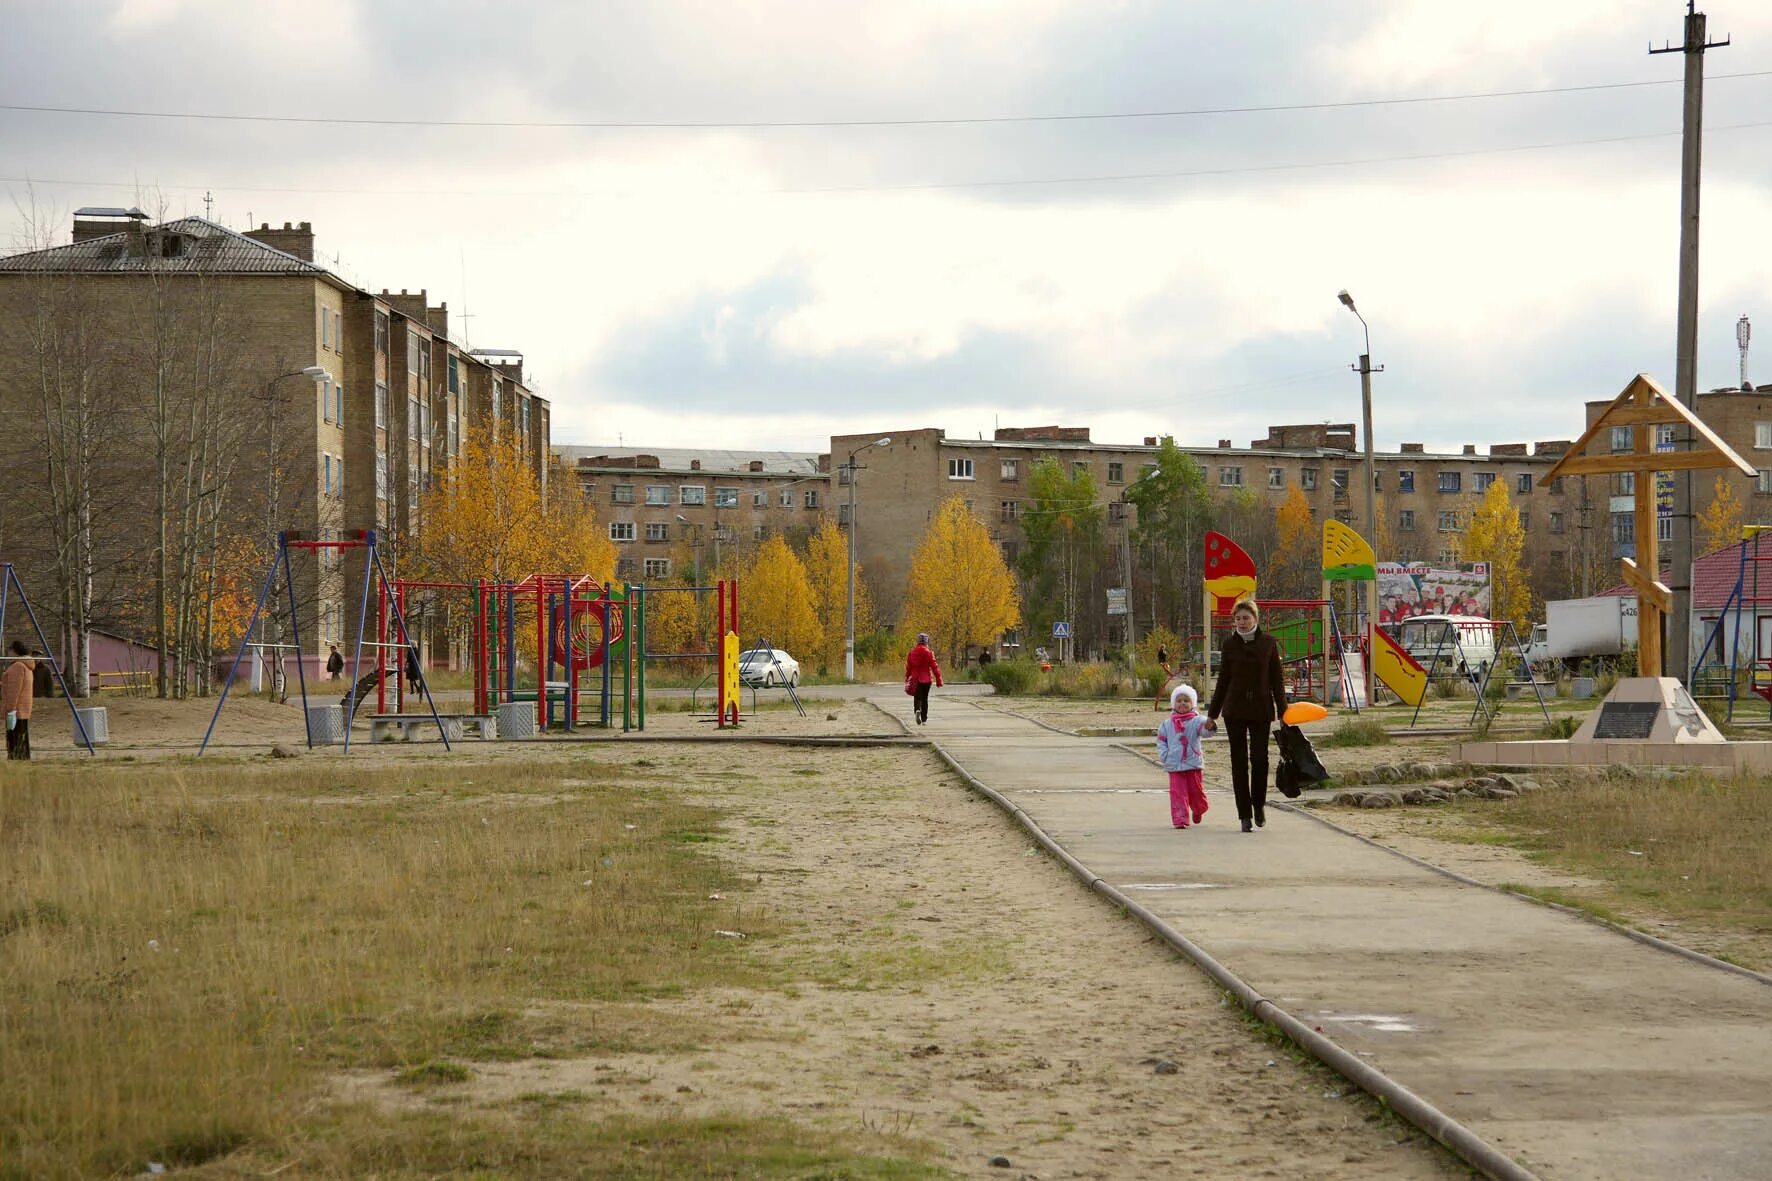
(1580, 629)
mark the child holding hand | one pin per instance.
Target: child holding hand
(1178, 749)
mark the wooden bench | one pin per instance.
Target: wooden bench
(1518, 689)
(383, 726)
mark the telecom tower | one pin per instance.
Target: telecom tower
(1743, 333)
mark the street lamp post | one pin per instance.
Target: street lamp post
(695, 545)
(849, 574)
(1366, 372)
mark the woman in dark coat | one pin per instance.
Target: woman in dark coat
(1250, 692)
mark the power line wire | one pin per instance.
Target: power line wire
(914, 186)
(790, 124)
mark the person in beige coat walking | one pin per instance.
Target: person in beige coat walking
(15, 700)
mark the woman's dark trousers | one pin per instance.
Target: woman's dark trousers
(921, 700)
(1248, 765)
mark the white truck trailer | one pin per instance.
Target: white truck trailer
(1578, 629)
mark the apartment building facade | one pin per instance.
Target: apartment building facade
(384, 406)
(664, 505)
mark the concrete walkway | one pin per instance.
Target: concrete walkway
(1577, 1051)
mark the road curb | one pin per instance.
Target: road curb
(1460, 1140)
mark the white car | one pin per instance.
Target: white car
(768, 667)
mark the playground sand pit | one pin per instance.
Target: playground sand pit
(937, 979)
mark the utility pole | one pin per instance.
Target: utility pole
(849, 575)
(1679, 579)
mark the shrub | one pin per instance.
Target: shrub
(1012, 678)
(1561, 727)
(1355, 732)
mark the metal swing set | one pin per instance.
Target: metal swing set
(364, 540)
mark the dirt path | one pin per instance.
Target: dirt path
(955, 987)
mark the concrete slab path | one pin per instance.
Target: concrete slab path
(1579, 1052)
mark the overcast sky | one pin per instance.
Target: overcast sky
(769, 287)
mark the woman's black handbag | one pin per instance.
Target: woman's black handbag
(1299, 765)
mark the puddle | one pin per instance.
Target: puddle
(1375, 1021)
(1174, 886)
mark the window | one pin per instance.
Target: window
(1010, 509)
(1405, 481)
(1763, 485)
(759, 532)
(1116, 512)
(1230, 477)
(657, 567)
(424, 422)
(326, 398)
(1481, 481)
(454, 374)
(1624, 528)
(1451, 481)
(1377, 481)
(1621, 439)
(1116, 473)
(326, 469)
(621, 494)
(1276, 477)
(1448, 521)
(1664, 438)
(1557, 486)
(497, 403)
(381, 405)
(959, 469)
(1011, 469)
(1079, 467)
(658, 531)
(1338, 480)
(655, 494)
(1624, 483)
(1523, 483)
(338, 403)
(338, 331)
(759, 499)
(621, 531)
(1307, 479)
(1406, 520)
(725, 498)
(325, 329)
(412, 419)
(1012, 552)
(1525, 519)
(1556, 522)
(1763, 434)
(812, 498)
(381, 476)
(842, 514)
(785, 498)
(690, 494)
(381, 333)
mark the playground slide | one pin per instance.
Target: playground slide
(365, 687)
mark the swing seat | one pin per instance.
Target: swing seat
(1762, 679)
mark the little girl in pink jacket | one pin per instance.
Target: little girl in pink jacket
(1178, 749)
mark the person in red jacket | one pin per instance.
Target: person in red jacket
(920, 669)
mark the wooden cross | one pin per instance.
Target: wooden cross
(1643, 406)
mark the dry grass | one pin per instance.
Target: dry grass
(190, 953)
(1689, 848)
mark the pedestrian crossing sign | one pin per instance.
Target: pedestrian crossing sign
(1061, 630)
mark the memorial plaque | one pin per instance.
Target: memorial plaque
(1626, 719)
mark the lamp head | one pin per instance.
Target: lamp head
(683, 518)
(882, 442)
(1346, 299)
(316, 373)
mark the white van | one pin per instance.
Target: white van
(1467, 646)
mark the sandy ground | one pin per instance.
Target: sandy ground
(146, 727)
(958, 988)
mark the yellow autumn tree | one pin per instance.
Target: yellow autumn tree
(572, 540)
(1295, 571)
(775, 601)
(1493, 534)
(827, 561)
(1384, 538)
(485, 519)
(1720, 522)
(959, 591)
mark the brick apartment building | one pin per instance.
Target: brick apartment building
(721, 503)
(354, 447)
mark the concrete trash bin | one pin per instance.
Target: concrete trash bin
(326, 724)
(1582, 688)
(516, 720)
(96, 722)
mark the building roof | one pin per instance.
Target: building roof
(211, 248)
(1714, 575)
(713, 461)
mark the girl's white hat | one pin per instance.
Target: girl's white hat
(1181, 691)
